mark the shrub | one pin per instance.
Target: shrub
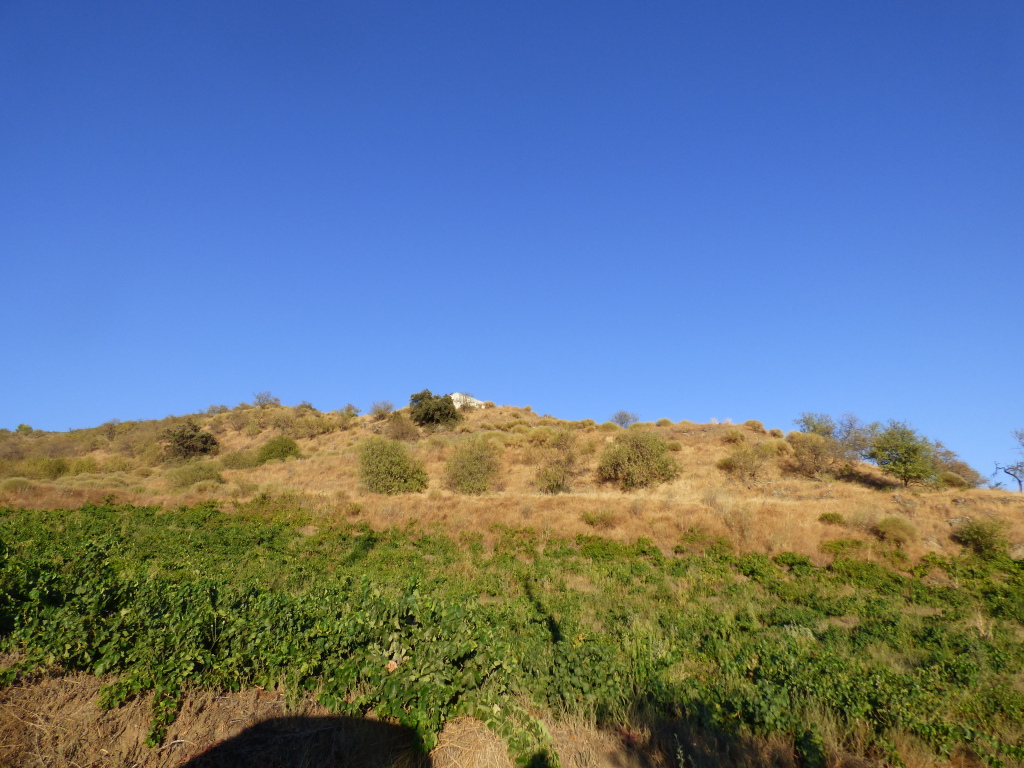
(733, 436)
(474, 466)
(951, 480)
(624, 419)
(118, 464)
(400, 427)
(381, 409)
(187, 441)
(561, 469)
(775, 432)
(603, 519)
(386, 467)
(841, 547)
(637, 459)
(609, 426)
(674, 445)
(815, 455)
(84, 465)
(896, 530)
(239, 460)
(277, 449)
(431, 410)
(986, 538)
(16, 485)
(832, 518)
(747, 461)
(664, 422)
(192, 473)
(755, 425)
(265, 399)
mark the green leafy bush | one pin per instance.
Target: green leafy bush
(385, 466)
(986, 538)
(430, 410)
(192, 473)
(841, 547)
(188, 440)
(278, 449)
(473, 466)
(831, 518)
(637, 459)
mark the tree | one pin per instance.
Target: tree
(1016, 471)
(188, 440)
(264, 399)
(430, 410)
(624, 418)
(816, 424)
(901, 452)
(381, 409)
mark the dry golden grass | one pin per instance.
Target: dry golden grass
(777, 512)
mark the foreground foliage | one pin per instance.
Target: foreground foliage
(421, 628)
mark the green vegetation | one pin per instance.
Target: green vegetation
(901, 452)
(474, 466)
(385, 466)
(748, 462)
(557, 474)
(188, 440)
(278, 449)
(986, 538)
(429, 410)
(637, 459)
(855, 657)
(192, 473)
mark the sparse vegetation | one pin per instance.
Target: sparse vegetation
(192, 473)
(381, 409)
(624, 419)
(562, 466)
(985, 538)
(748, 462)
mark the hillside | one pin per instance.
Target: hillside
(777, 509)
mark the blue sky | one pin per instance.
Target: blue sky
(689, 210)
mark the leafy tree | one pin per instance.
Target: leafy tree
(624, 418)
(901, 452)
(385, 466)
(816, 424)
(637, 459)
(188, 440)
(427, 409)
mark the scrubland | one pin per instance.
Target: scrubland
(734, 609)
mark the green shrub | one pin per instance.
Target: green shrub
(278, 449)
(674, 445)
(429, 410)
(986, 538)
(118, 464)
(841, 547)
(84, 465)
(192, 473)
(474, 466)
(896, 530)
(664, 422)
(609, 426)
(832, 518)
(239, 460)
(187, 441)
(951, 480)
(386, 467)
(637, 459)
(748, 462)
(557, 474)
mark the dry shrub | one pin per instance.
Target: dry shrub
(16, 485)
(755, 425)
(733, 436)
(193, 473)
(400, 427)
(748, 462)
(816, 455)
(664, 422)
(895, 530)
(637, 459)
(562, 465)
(474, 466)
(603, 519)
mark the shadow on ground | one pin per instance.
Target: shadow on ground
(315, 742)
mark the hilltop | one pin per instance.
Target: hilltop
(777, 505)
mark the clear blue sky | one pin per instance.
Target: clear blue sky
(690, 210)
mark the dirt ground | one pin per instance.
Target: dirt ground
(55, 720)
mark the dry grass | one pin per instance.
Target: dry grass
(778, 511)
